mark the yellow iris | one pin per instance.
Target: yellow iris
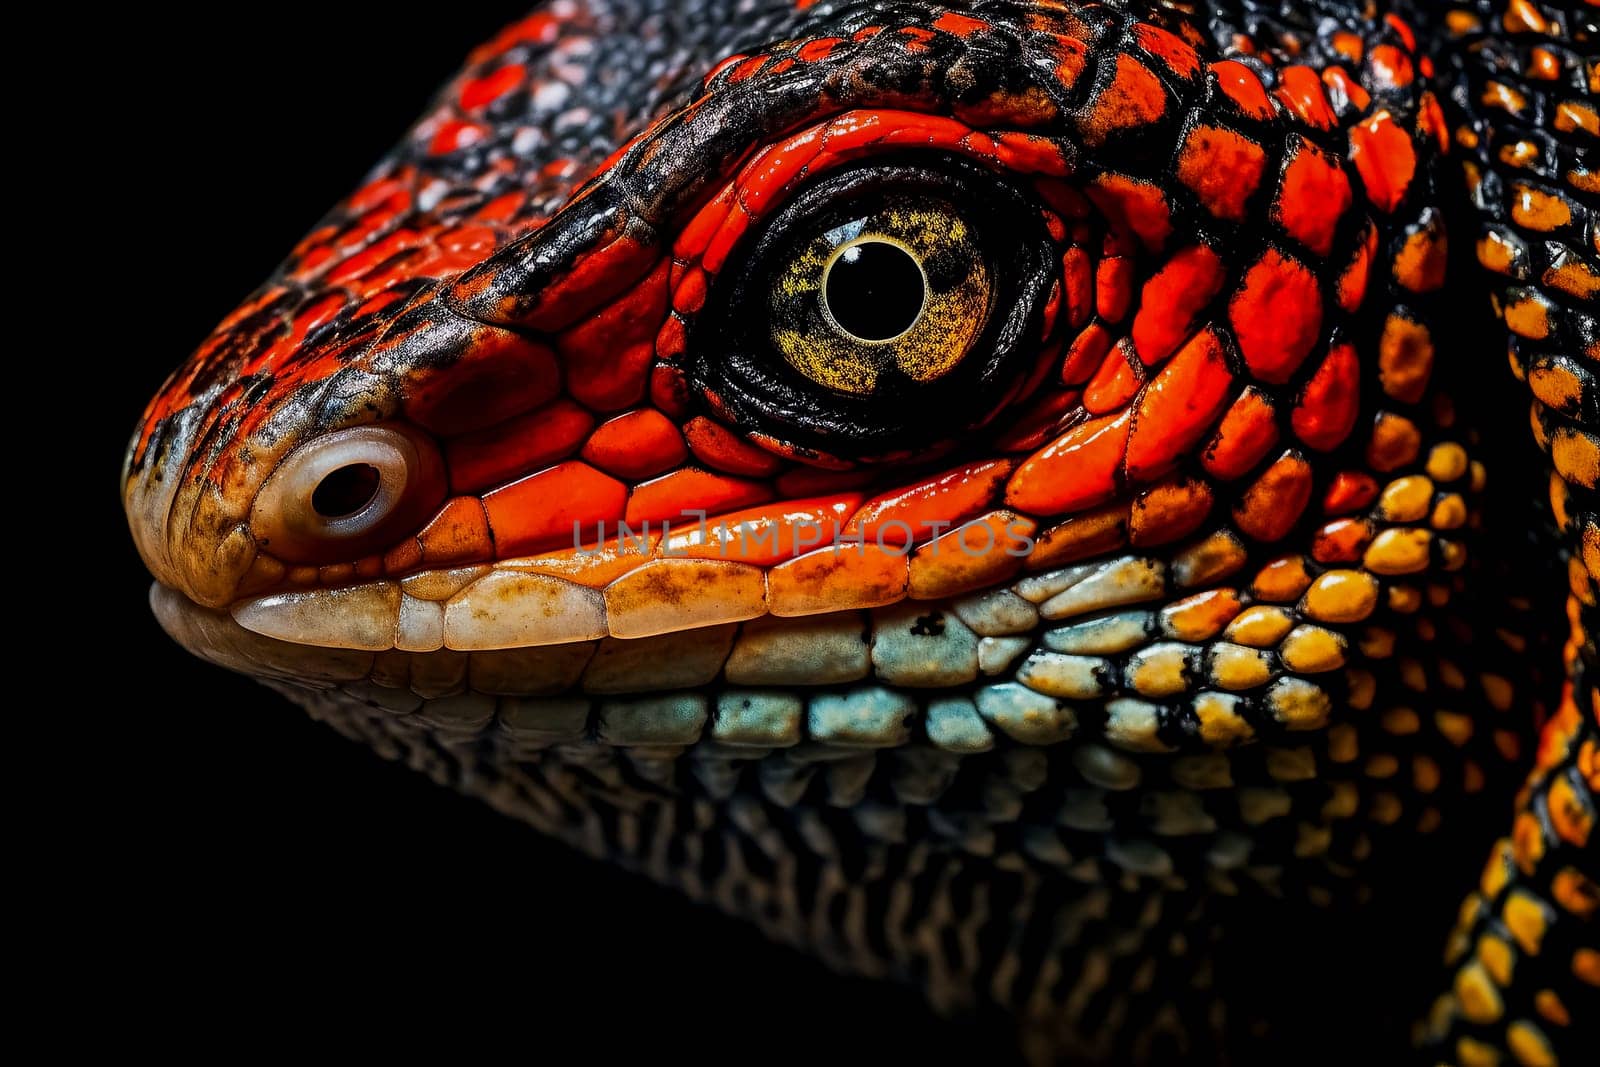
(902, 292)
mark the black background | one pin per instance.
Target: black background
(230, 873)
(245, 874)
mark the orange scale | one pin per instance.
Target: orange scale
(317, 313)
(498, 376)
(1054, 226)
(378, 301)
(594, 566)
(1133, 98)
(1113, 287)
(1136, 206)
(1246, 434)
(489, 457)
(311, 261)
(1390, 67)
(404, 557)
(1202, 616)
(1282, 581)
(564, 505)
(837, 579)
(766, 535)
(689, 295)
(1083, 536)
(467, 239)
(959, 25)
(673, 339)
(1028, 108)
(1350, 491)
(1342, 541)
(716, 446)
(1116, 382)
(1544, 65)
(727, 236)
(1071, 56)
(1420, 264)
(1327, 410)
(1394, 443)
(1385, 158)
(1078, 470)
(1301, 89)
(1240, 84)
(1345, 90)
(640, 444)
(612, 272)
(1313, 196)
(748, 69)
(724, 64)
(1077, 281)
(502, 208)
(670, 390)
(1028, 153)
(1170, 49)
(372, 256)
(920, 511)
(1172, 299)
(818, 48)
(698, 231)
(978, 555)
(1349, 45)
(1273, 503)
(1168, 512)
(316, 238)
(1222, 168)
(1352, 288)
(1405, 358)
(1185, 399)
(1408, 36)
(607, 355)
(773, 172)
(458, 534)
(679, 495)
(1276, 316)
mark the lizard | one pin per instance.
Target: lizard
(998, 494)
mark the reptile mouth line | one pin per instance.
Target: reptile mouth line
(626, 589)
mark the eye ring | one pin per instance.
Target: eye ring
(758, 365)
(345, 493)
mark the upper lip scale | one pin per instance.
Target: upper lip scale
(485, 608)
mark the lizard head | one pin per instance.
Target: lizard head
(1062, 360)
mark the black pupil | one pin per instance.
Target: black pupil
(874, 290)
(345, 491)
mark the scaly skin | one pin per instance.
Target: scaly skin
(1183, 586)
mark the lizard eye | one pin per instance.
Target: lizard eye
(884, 308)
(898, 294)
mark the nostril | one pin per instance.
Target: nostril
(346, 491)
